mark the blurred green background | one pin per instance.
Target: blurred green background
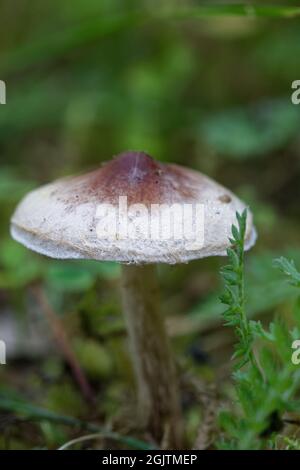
(206, 87)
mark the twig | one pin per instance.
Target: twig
(63, 342)
(88, 437)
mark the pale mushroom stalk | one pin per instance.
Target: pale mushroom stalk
(158, 397)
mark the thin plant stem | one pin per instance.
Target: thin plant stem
(63, 342)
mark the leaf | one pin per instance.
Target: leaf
(12, 186)
(66, 276)
(233, 257)
(288, 268)
(53, 46)
(264, 290)
(252, 131)
(252, 11)
(227, 422)
(19, 266)
(93, 357)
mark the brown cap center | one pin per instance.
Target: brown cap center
(135, 175)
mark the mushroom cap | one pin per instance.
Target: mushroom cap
(131, 210)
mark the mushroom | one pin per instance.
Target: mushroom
(139, 212)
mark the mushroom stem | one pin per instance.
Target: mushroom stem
(158, 394)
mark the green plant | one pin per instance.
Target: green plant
(266, 382)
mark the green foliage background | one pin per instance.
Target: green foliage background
(200, 84)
